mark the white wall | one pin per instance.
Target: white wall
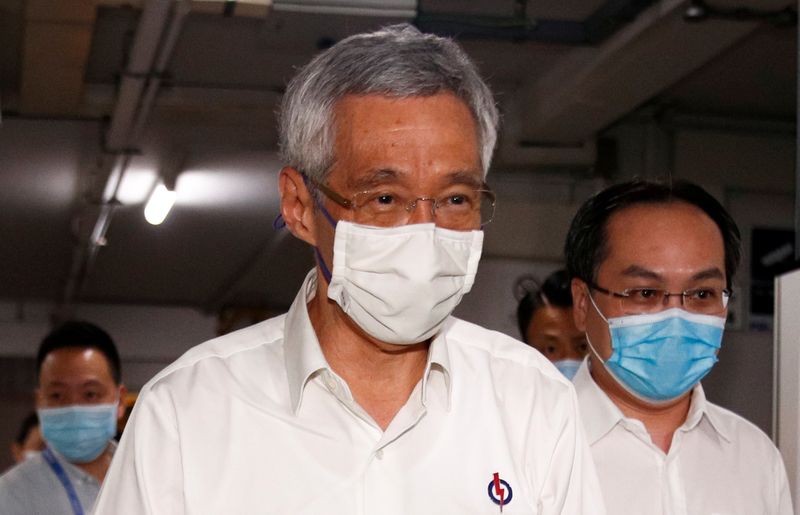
(787, 352)
(148, 337)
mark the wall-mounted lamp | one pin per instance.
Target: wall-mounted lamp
(159, 204)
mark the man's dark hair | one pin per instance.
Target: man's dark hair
(555, 291)
(28, 423)
(80, 334)
(587, 241)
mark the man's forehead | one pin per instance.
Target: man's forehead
(669, 235)
(382, 140)
(383, 176)
(78, 358)
(645, 217)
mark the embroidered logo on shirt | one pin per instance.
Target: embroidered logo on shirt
(500, 491)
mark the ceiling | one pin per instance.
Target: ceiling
(98, 96)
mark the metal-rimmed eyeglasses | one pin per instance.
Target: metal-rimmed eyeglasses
(704, 300)
(458, 207)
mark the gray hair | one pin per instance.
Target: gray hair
(396, 61)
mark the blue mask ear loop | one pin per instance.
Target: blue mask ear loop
(588, 340)
(603, 362)
(326, 272)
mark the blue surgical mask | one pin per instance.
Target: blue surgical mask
(658, 357)
(79, 433)
(568, 367)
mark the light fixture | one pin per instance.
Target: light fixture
(163, 196)
(695, 11)
(159, 204)
(700, 10)
(385, 8)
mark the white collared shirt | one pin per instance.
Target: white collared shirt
(718, 463)
(256, 422)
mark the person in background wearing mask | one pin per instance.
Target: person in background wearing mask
(546, 323)
(29, 439)
(367, 396)
(652, 267)
(78, 371)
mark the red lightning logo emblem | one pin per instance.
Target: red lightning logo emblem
(498, 490)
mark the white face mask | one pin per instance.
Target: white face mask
(400, 284)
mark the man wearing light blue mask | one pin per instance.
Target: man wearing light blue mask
(652, 266)
(78, 401)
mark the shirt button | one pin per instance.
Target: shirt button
(379, 454)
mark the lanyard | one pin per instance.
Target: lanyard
(47, 454)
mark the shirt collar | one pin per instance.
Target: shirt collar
(436, 380)
(699, 409)
(600, 414)
(303, 355)
(73, 469)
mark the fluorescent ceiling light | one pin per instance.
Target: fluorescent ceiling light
(136, 184)
(157, 208)
(387, 8)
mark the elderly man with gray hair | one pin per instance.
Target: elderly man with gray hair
(368, 396)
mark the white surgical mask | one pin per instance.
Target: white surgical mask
(399, 284)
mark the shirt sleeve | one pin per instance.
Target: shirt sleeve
(146, 474)
(571, 486)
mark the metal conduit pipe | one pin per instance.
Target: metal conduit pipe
(132, 122)
(168, 45)
(143, 54)
(150, 54)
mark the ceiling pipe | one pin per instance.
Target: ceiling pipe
(151, 51)
(137, 95)
(149, 35)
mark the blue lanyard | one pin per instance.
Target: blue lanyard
(47, 454)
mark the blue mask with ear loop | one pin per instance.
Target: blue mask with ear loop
(326, 272)
(80, 433)
(568, 367)
(658, 357)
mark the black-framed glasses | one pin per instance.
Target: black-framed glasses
(458, 207)
(704, 301)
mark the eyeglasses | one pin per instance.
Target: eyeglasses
(460, 207)
(704, 301)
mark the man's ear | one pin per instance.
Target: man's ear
(121, 407)
(580, 303)
(297, 205)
